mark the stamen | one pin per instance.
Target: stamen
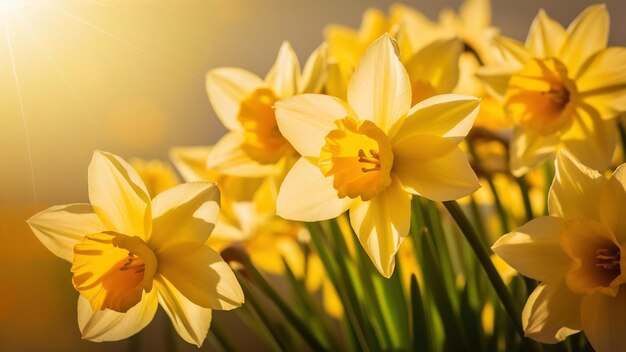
(373, 159)
(608, 259)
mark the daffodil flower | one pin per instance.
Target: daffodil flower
(157, 175)
(129, 253)
(371, 153)
(561, 89)
(244, 103)
(576, 254)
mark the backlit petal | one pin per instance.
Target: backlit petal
(529, 149)
(447, 115)
(433, 168)
(534, 249)
(586, 35)
(315, 71)
(118, 195)
(109, 325)
(306, 119)
(284, 76)
(602, 82)
(576, 189)
(200, 274)
(496, 78)
(187, 212)
(546, 36)
(61, 227)
(380, 90)
(306, 195)
(613, 202)
(190, 320)
(228, 157)
(603, 322)
(190, 162)
(227, 88)
(511, 51)
(551, 313)
(381, 223)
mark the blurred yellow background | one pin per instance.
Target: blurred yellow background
(127, 76)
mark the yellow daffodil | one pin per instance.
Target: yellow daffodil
(561, 89)
(244, 103)
(129, 253)
(371, 153)
(155, 174)
(430, 59)
(248, 215)
(576, 254)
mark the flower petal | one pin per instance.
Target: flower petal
(546, 36)
(511, 51)
(109, 325)
(190, 162)
(187, 212)
(190, 320)
(200, 274)
(551, 313)
(380, 90)
(586, 35)
(118, 195)
(534, 250)
(228, 157)
(61, 227)
(381, 224)
(576, 189)
(601, 82)
(591, 139)
(305, 120)
(284, 76)
(307, 195)
(227, 87)
(603, 320)
(315, 71)
(433, 168)
(613, 202)
(529, 149)
(447, 115)
(496, 78)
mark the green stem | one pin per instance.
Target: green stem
(492, 274)
(523, 187)
(221, 337)
(504, 218)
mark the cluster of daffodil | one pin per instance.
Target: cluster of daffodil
(336, 178)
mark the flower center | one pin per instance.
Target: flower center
(608, 259)
(540, 96)
(358, 154)
(113, 270)
(263, 140)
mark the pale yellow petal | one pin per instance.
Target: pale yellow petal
(380, 90)
(576, 189)
(603, 322)
(61, 227)
(187, 212)
(433, 167)
(200, 274)
(529, 149)
(612, 203)
(109, 325)
(448, 115)
(338, 78)
(551, 313)
(227, 87)
(307, 195)
(511, 51)
(118, 195)
(228, 157)
(601, 82)
(381, 223)
(586, 35)
(315, 71)
(418, 29)
(496, 78)
(190, 162)
(546, 36)
(305, 120)
(590, 139)
(284, 76)
(436, 64)
(476, 14)
(534, 249)
(190, 320)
